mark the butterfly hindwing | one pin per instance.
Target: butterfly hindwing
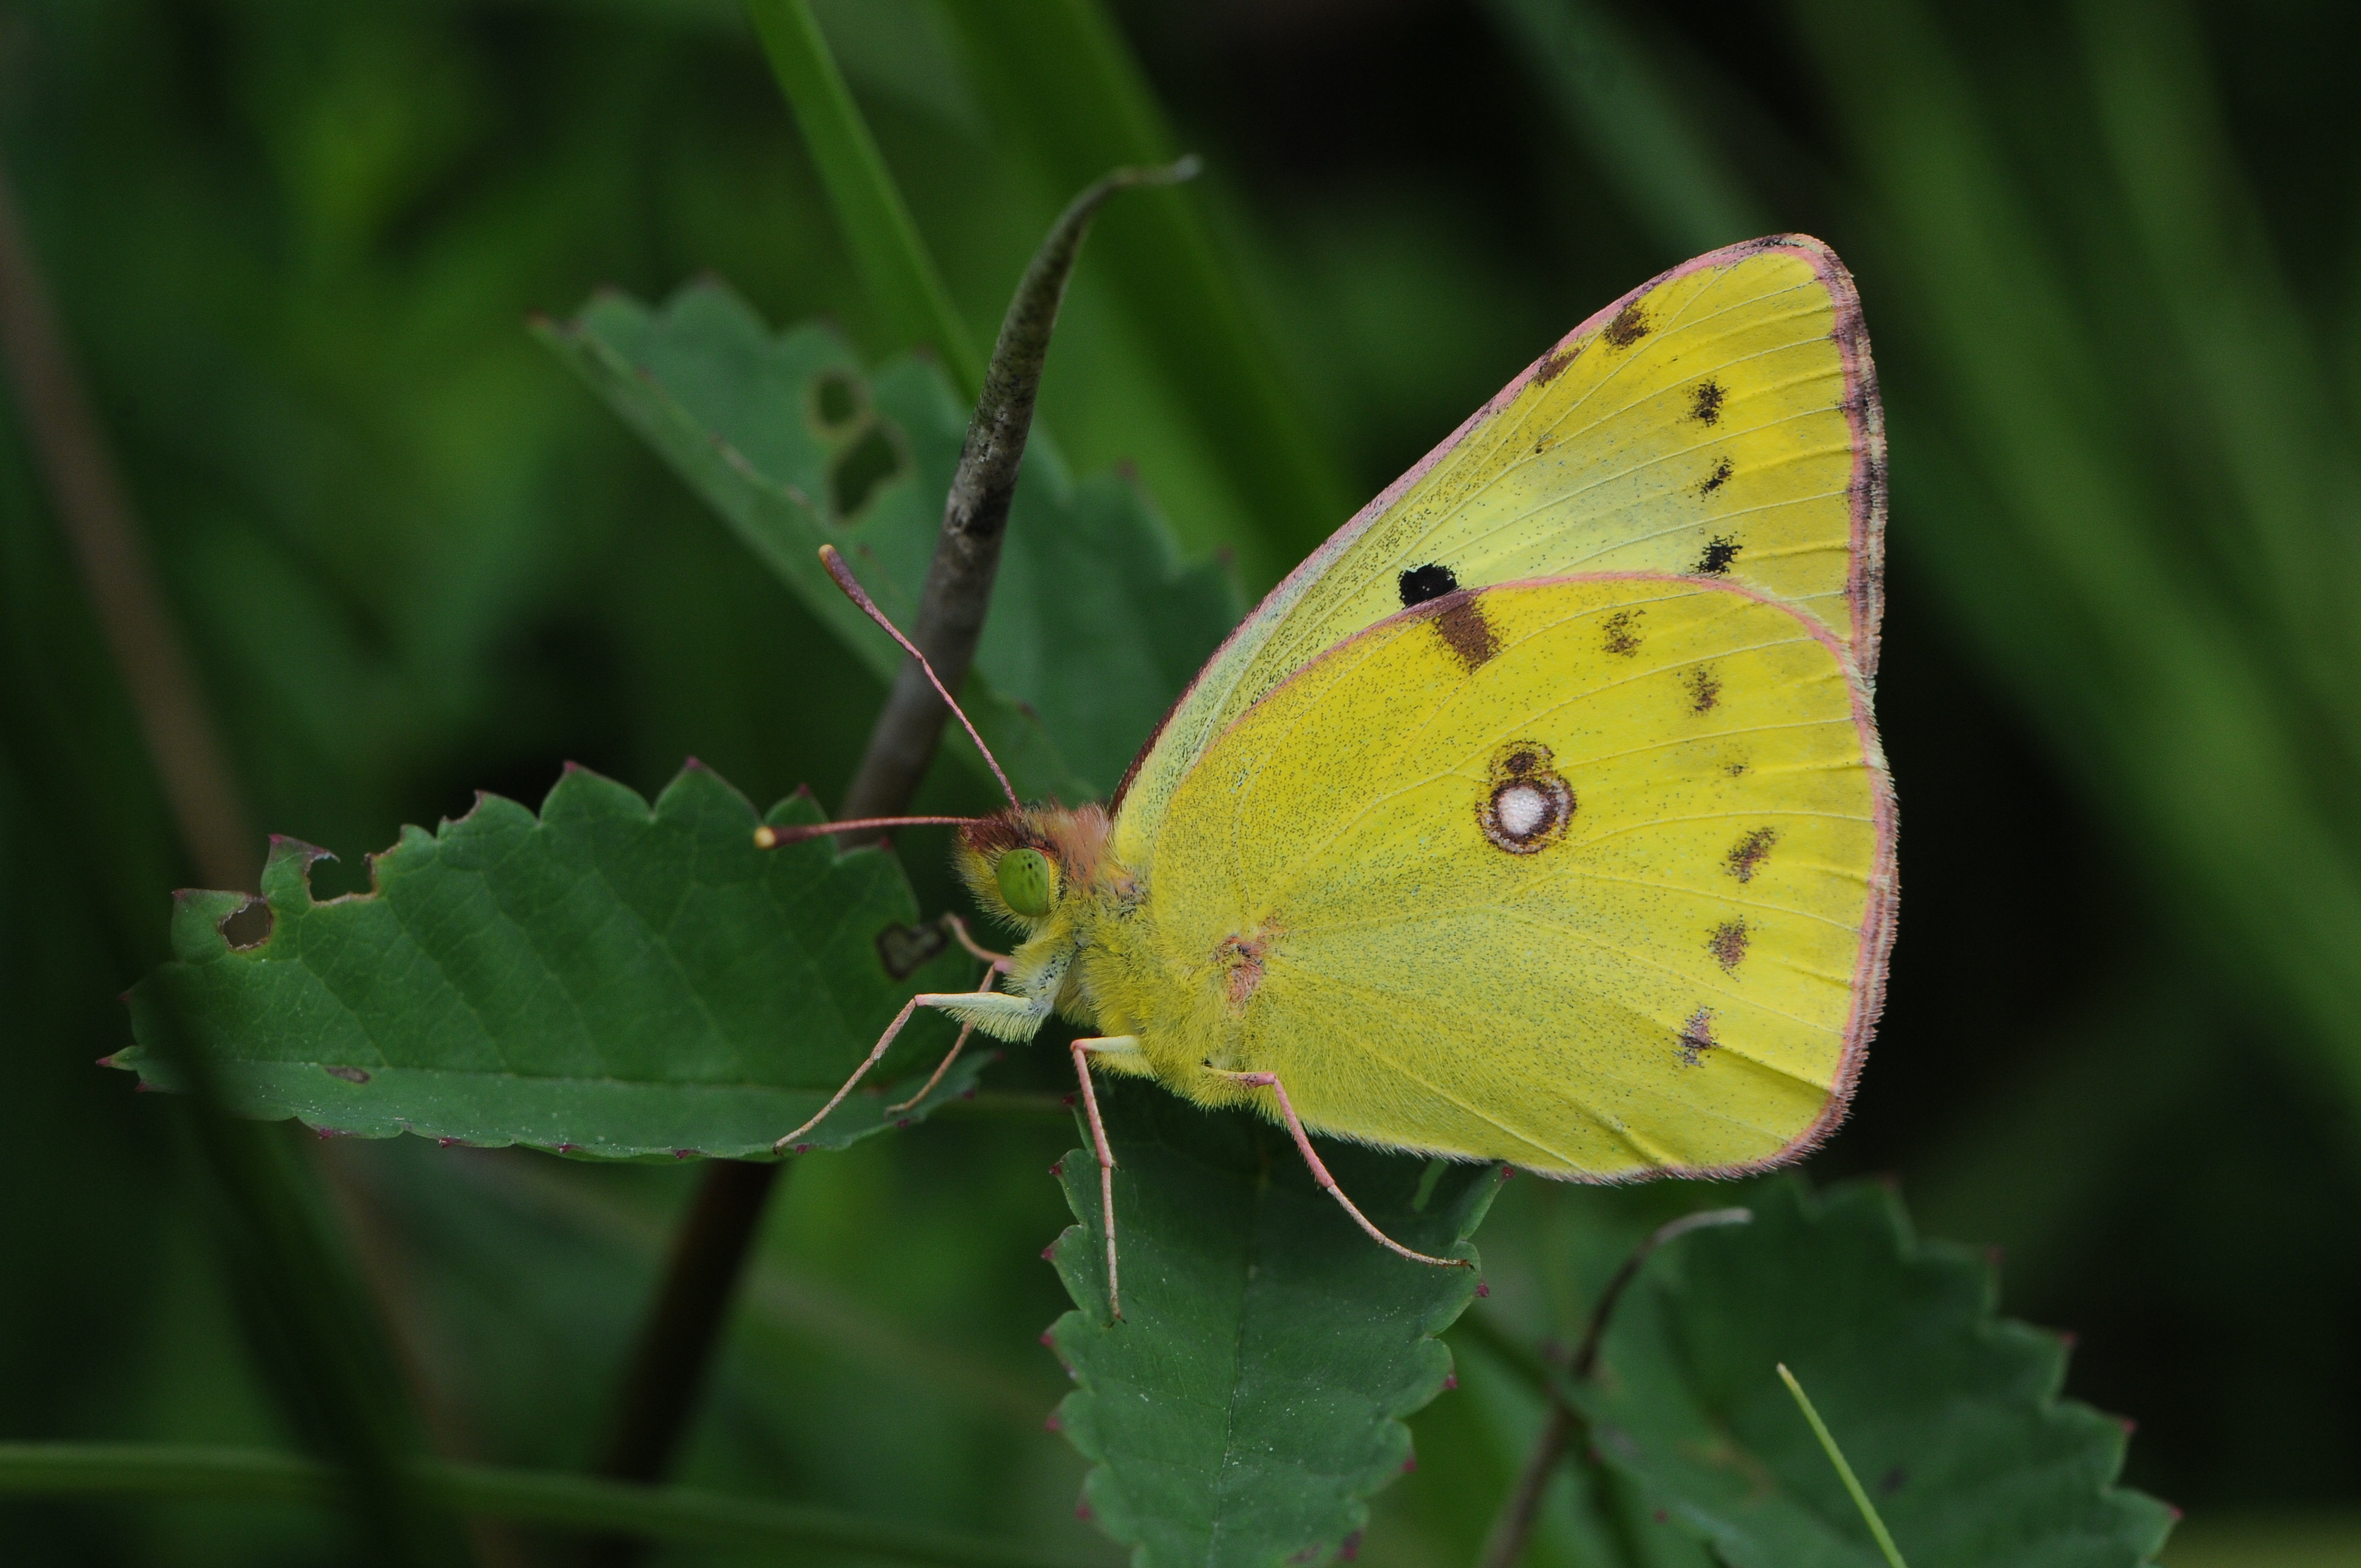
(1589, 874)
(1722, 421)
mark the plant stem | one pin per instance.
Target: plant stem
(897, 273)
(668, 1365)
(567, 1502)
(1844, 1470)
(667, 1371)
(975, 514)
(1506, 1543)
(314, 1324)
(137, 621)
(1066, 94)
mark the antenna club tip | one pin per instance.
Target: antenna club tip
(831, 553)
(766, 837)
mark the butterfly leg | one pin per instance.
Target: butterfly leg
(1001, 962)
(959, 1045)
(1114, 1043)
(1320, 1172)
(876, 1053)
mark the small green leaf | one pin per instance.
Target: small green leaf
(1252, 1397)
(1095, 624)
(604, 978)
(1950, 1414)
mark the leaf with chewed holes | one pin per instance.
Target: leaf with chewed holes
(605, 979)
(1251, 1400)
(1095, 625)
(1949, 1413)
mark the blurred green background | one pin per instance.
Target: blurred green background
(2110, 257)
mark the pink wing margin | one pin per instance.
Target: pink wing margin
(1877, 920)
(1865, 589)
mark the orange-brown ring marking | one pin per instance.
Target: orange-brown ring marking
(1526, 804)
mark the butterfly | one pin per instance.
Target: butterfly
(1539, 816)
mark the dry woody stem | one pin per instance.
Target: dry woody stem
(1517, 1511)
(975, 514)
(676, 1343)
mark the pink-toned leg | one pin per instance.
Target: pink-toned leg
(957, 1045)
(942, 1068)
(1106, 1171)
(1320, 1172)
(876, 1053)
(1001, 962)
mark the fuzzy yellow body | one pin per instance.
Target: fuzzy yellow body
(1541, 815)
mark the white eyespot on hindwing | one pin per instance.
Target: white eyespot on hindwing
(1526, 804)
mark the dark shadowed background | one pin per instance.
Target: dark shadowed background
(2111, 259)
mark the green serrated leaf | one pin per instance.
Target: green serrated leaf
(1949, 1413)
(605, 979)
(1095, 624)
(1252, 1398)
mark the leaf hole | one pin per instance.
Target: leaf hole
(837, 403)
(857, 472)
(247, 926)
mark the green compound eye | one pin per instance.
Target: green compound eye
(1027, 879)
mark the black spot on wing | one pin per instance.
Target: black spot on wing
(1421, 584)
(1697, 1037)
(1719, 553)
(1623, 633)
(1746, 857)
(1706, 403)
(1462, 625)
(1630, 326)
(1704, 688)
(1715, 480)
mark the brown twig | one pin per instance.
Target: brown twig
(676, 1344)
(975, 514)
(112, 559)
(1505, 1541)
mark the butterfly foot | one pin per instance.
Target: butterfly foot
(1320, 1172)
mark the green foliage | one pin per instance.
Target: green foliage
(1062, 83)
(605, 980)
(1253, 1393)
(1950, 1414)
(570, 1502)
(897, 273)
(2177, 608)
(1095, 625)
(2108, 262)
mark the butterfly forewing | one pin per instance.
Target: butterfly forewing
(1594, 875)
(1722, 422)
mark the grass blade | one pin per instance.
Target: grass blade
(529, 1496)
(1836, 1457)
(895, 269)
(1615, 100)
(1061, 82)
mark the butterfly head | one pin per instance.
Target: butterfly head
(1024, 864)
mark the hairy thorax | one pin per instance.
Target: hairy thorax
(1096, 957)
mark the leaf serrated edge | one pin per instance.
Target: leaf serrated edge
(1075, 1255)
(1880, 1199)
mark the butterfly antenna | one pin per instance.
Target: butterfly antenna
(833, 559)
(767, 837)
